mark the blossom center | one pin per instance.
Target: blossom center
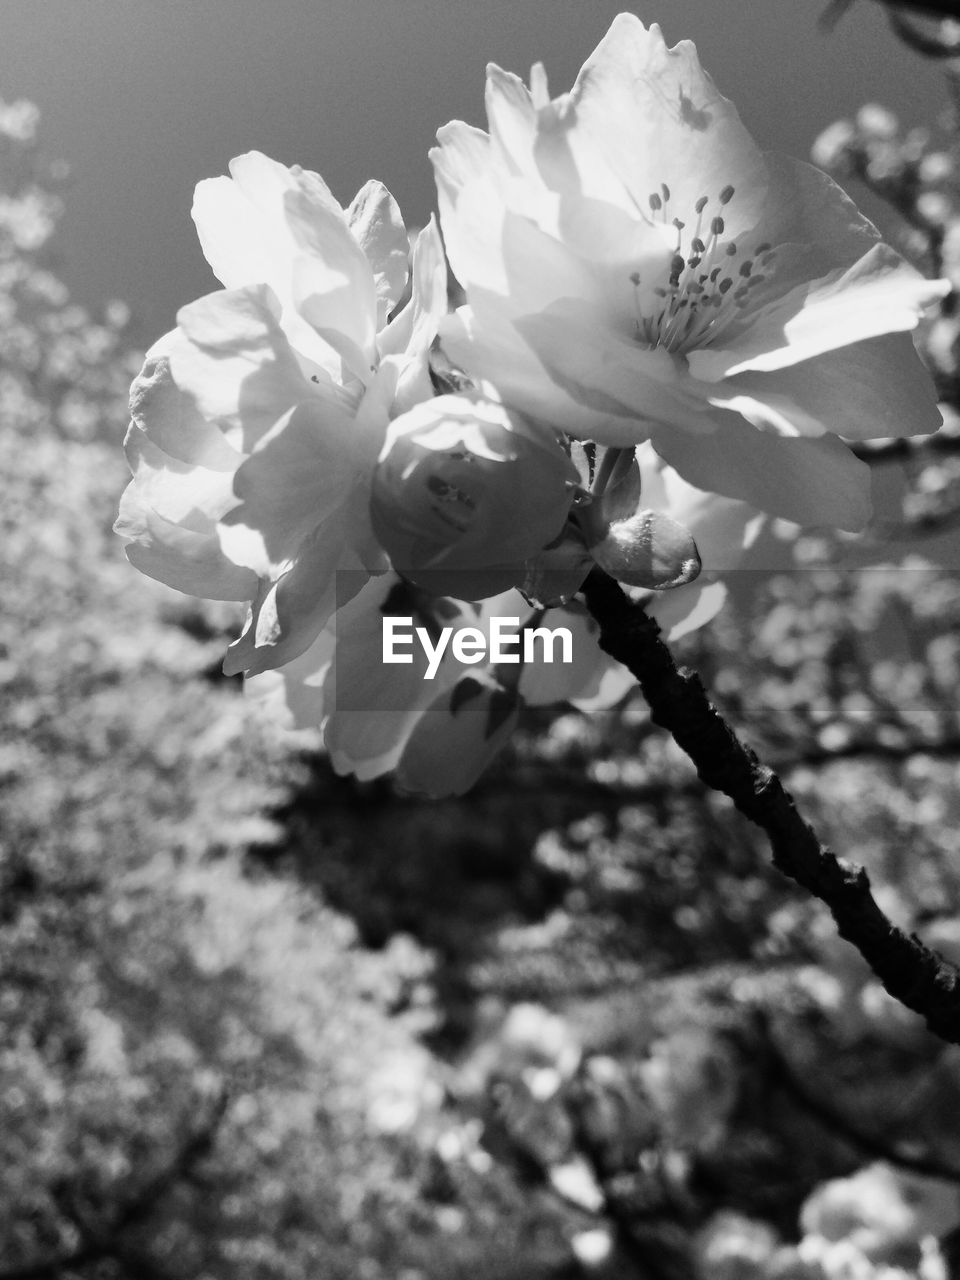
(709, 280)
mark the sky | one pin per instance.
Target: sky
(143, 98)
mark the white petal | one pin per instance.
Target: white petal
(656, 117)
(456, 738)
(333, 285)
(864, 391)
(680, 612)
(237, 363)
(491, 348)
(880, 293)
(293, 480)
(373, 706)
(234, 237)
(810, 481)
(544, 683)
(289, 614)
(612, 377)
(294, 694)
(187, 559)
(169, 418)
(512, 119)
(377, 226)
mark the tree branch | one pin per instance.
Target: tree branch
(910, 972)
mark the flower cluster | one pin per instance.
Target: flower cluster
(668, 336)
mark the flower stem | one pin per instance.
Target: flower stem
(913, 974)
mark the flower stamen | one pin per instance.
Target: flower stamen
(691, 307)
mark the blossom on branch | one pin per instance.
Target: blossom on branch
(466, 492)
(636, 269)
(257, 422)
(437, 734)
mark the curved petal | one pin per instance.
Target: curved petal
(880, 293)
(377, 226)
(234, 238)
(333, 284)
(680, 612)
(289, 614)
(544, 683)
(805, 206)
(512, 119)
(187, 559)
(457, 737)
(492, 349)
(602, 372)
(294, 695)
(373, 706)
(292, 480)
(657, 118)
(864, 391)
(237, 363)
(170, 419)
(810, 481)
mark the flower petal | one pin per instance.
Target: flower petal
(656, 117)
(810, 481)
(293, 479)
(237, 363)
(187, 559)
(234, 238)
(457, 737)
(373, 706)
(612, 377)
(880, 293)
(680, 612)
(169, 418)
(289, 614)
(544, 683)
(864, 391)
(377, 226)
(294, 694)
(333, 284)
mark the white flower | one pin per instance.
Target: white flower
(465, 492)
(637, 269)
(723, 530)
(438, 735)
(257, 423)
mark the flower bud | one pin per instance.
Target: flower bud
(465, 492)
(648, 550)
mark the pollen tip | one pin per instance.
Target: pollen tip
(716, 227)
(726, 195)
(665, 191)
(702, 204)
(655, 201)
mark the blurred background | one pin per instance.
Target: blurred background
(258, 1022)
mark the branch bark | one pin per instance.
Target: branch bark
(910, 971)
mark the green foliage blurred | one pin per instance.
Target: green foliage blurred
(260, 1022)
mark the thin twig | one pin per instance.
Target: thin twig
(910, 972)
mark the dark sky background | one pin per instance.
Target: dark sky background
(145, 97)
